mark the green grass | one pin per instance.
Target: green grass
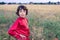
(51, 26)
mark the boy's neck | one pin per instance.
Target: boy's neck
(22, 17)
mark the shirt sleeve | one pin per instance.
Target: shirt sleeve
(12, 30)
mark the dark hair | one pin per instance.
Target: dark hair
(56, 36)
(20, 8)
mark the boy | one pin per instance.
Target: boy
(20, 29)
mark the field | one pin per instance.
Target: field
(44, 21)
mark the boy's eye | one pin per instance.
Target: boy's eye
(22, 11)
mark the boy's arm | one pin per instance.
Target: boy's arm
(14, 34)
(12, 30)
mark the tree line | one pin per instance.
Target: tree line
(56, 3)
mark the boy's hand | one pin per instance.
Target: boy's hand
(22, 36)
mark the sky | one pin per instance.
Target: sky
(27, 1)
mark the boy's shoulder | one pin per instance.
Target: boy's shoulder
(21, 19)
(17, 19)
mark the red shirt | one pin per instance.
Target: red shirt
(56, 39)
(20, 26)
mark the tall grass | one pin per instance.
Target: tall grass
(44, 22)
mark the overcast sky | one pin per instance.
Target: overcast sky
(27, 1)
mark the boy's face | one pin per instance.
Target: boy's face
(22, 13)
